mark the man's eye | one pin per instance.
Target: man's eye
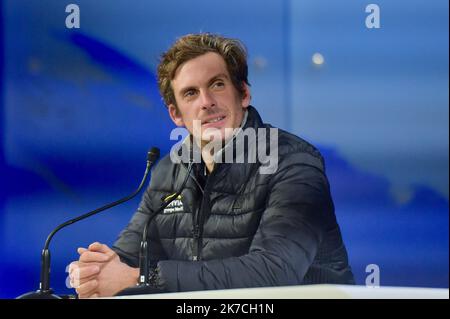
(189, 93)
(218, 84)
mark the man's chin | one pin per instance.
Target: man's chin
(212, 139)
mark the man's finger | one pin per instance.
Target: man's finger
(92, 256)
(85, 272)
(87, 289)
(81, 250)
(75, 282)
(72, 266)
(101, 248)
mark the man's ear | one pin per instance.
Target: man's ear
(175, 115)
(246, 97)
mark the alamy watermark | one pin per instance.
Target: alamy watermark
(373, 279)
(248, 145)
(373, 19)
(73, 19)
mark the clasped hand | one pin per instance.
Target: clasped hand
(100, 273)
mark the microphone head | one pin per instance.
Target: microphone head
(153, 155)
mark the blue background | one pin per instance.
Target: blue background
(80, 107)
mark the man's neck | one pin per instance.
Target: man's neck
(208, 159)
(208, 152)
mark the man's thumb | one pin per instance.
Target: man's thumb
(101, 248)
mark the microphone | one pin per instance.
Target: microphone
(44, 291)
(143, 286)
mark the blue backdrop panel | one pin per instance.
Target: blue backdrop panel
(80, 108)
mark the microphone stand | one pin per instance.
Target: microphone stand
(44, 291)
(143, 286)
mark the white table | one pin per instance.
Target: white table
(307, 292)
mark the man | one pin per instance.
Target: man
(233, 225)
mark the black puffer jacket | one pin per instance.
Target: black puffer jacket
(248, 229)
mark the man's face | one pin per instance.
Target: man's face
(205, 93)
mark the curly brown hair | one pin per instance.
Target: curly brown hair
(191, 46)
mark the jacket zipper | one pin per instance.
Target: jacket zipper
(197, 231)
(196, 222)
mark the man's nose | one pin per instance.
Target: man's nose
(207, 99)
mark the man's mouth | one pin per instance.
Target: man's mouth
(217, 119)
(213, 120)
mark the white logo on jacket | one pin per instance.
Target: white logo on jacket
(175, 206)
